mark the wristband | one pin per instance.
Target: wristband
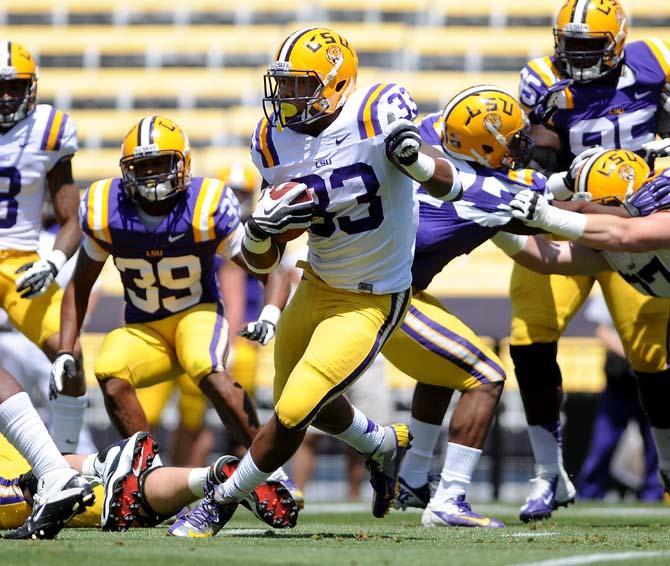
(271, 314)
(511, 244)
(254, 244)
(422, 169)
(57, 257)
(557, 187)
(570, 225)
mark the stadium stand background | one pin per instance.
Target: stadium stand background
(200, 62)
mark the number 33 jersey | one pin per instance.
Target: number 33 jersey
(363, 240)
(28, 152)
(621, 115)
(167, 268)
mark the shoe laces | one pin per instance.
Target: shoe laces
(540, 487)
(461, 504)
(204, 514)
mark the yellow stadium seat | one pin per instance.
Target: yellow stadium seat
(582, 362)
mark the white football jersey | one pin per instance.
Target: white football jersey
(27, 153)
(648, 272)
(365, 242)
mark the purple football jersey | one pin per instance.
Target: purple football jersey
(171, 267)
(623, 114)
(449, 229)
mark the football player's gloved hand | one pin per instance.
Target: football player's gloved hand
(403, 141)
(578, 162)
(63, 369)
(262, 330)
(657, 148)
(36, 276)
(650, 198)
(276, 216)
(547, 104)
(531, 208)
(664, 98)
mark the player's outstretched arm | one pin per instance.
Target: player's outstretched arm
(421, 162)
(546, 256)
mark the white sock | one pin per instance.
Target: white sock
(68, 420)
(417, 460)
(547, 443)
(459, 465)
(196, 481)
(24, 430)
(363, 434)
(662, 440)
(244, 480)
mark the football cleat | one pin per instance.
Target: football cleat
(123, 465)
(547, 495)
(418, 497)
(54, 505)
(384, 465)
(271, 501)
(205, 520)
(456, 513)
(283, 478)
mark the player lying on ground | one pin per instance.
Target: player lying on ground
(637, 248)
(164, 230)
(358, 151)
(60, 491)
(38, 143)
(136, 490)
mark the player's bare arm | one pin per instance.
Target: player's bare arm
(65, 197)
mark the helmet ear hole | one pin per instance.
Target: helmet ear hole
(340, 85)
(487, 148)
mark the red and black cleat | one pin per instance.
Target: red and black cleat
(126, 507)
(271, 502)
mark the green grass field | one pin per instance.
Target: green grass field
(583, 534)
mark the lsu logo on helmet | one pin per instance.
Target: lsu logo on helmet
(312, 75)
(487, 125)
(608, 177)
(155, 160)
(18, 73)
(589, 37)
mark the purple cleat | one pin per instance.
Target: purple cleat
(456, 513)
(547, 495)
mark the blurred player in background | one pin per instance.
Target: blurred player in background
(164, 230)
(358, 150)
(601, 92)
(38, 143)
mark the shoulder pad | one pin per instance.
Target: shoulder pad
(55, 127)
(94, 210)
(536, 76)
(216, 212)
(262, 144)
(382, 104)
(431, 128)
(660, 50)
(528, 178)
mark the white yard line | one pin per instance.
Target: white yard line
(604, 557)
(529, 534)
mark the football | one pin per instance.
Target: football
(277, 192)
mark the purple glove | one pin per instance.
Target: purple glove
(652, 196)
(547, 104)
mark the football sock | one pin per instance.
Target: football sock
(196, 481)
(547, 442)
(23, 428)
(417, 460)
(68, 419)
(459, 465)
(662, 440)
(362, 435)
(244, 480)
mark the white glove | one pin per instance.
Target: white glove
(63, 368)
(37, 276)
(263, 330)
(276, 216)
(664, 98)
(534, 210)
(578, 162)
(403, 141)
(659, 148)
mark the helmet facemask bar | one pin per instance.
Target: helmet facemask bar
(154, 187)
(520, 149)
(15, 108)
(585, 56)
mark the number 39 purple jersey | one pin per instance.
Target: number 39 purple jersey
(169, 268)
(621, 115)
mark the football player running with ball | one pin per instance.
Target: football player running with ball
(164, 230)
(37, 143)
(357, 151)
(594, 90)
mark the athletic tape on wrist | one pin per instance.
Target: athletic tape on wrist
(271, 314)
(422, 169)
(57, 257)
(511, 244)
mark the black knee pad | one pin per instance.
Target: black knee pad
(654, 394)
(535, 366)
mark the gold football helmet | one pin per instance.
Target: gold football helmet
(18, 83)
(313, 73)
(610, 176)
(243, 178)
(485, 124)
(589, 37)
(155, 160)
